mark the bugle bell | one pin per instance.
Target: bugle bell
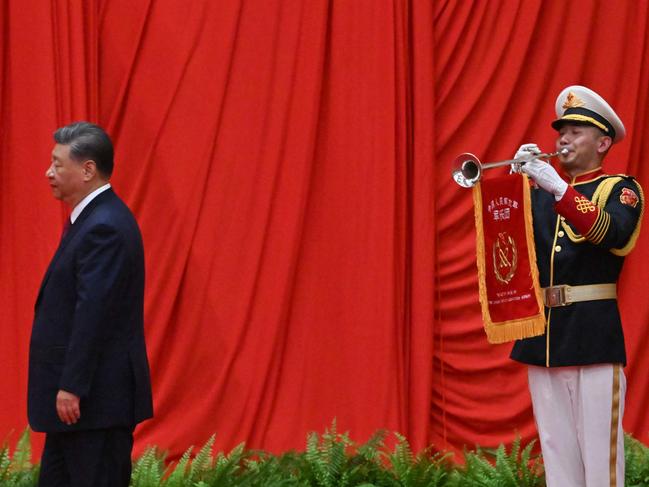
(467, 168)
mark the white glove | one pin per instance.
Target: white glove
(546, 177)
(523, 151)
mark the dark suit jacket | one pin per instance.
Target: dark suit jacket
(88, 333)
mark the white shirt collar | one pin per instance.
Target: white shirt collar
(84, 202)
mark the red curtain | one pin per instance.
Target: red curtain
(308, 256)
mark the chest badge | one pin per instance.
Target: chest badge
(628, 197)
(505, 257)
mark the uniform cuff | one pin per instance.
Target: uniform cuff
(583, 215)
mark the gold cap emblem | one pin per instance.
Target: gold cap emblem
(573, 101)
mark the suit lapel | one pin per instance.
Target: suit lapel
(69, 235)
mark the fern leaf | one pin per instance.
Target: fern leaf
(370, 450)
(504, 470)
(203, 460)
(22, 458)
(148, 469)
(5, 462)
(402, 459)
(177, 477)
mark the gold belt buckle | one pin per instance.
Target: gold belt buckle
(555, 296)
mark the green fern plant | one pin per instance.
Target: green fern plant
(370, 461)
(18, 471)
(326, 456)
(177, 477)
(222, 471)
(636, 462)
(485, 468)
(148, 469)
(5, 462)
(262, 469)
(22, 459)
(421, 470)
(371, 450)
(204, 459)
(331, 460)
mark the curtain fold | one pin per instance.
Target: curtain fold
(308, 256)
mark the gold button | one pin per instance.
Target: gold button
(560, 234)
(557, 248)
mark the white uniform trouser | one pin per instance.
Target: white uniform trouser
(578, 412)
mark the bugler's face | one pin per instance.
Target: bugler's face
(586, 145)
(66, 176)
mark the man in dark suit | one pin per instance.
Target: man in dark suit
(89, 379)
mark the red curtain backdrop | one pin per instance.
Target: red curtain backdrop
(308, 256)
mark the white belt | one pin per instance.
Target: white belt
(564, 295)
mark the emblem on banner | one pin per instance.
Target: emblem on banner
(505, 257)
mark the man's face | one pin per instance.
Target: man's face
(66, 176)
(586, 144)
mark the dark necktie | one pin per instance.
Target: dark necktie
(66, 228)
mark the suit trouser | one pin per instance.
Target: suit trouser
(578, 411)
(95, 458)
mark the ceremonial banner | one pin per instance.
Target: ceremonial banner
(510, 295)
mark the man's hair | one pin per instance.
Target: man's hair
(88, 141)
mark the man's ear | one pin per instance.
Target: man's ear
(89, 170)
(604, 144)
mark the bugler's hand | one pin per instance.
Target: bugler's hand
(527, 149)
(543, 174)
(523, 151)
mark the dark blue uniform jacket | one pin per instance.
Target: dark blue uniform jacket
(587, 332)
